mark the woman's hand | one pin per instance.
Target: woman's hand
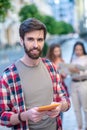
(74, 70)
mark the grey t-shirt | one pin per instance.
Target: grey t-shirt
(38, 90)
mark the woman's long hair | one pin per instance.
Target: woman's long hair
(76, 44)
(50, 54)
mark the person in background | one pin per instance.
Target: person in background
(55, 56)
(79, 83)
(32, 82)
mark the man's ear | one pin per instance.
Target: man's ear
(21, 41)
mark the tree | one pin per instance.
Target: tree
(49, 21)
(5, 5)
(62, 27)
(29, 11)
(53, 26)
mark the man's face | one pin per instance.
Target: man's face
(33, 43)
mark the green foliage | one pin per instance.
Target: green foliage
(5, 5)
(29, 11)
(45, 49)
(53, 26)
(62, 28)
(49, 21)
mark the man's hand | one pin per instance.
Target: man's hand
(34, 115)
(55, 112)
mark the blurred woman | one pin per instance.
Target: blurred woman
(55, 56)
(79, 83)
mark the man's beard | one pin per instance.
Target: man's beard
(30, 55)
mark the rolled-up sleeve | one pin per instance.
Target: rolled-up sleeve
(62, 92)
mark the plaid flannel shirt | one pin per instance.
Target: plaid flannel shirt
(12, 98)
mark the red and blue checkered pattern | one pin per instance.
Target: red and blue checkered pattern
(12, 98)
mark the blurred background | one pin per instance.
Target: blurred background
(66, 22)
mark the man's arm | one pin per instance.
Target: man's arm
(31, 114)
(9, 118)
(64, 99)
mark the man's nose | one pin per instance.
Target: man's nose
(35, 43)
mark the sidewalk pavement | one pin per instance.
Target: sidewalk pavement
(69, 120)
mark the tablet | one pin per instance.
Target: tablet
(48, 107)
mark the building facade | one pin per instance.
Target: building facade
(82, 20)
(63, 10)
(70, 11)
(9, 28)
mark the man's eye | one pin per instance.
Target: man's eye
(40, 39)
(30, 39)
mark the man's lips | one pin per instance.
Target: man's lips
(34, 51)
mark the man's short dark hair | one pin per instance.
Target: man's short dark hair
(31, 24)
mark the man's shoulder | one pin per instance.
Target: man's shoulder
(45, 60)
(49, 64)
(9, 73)
(10, 68)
